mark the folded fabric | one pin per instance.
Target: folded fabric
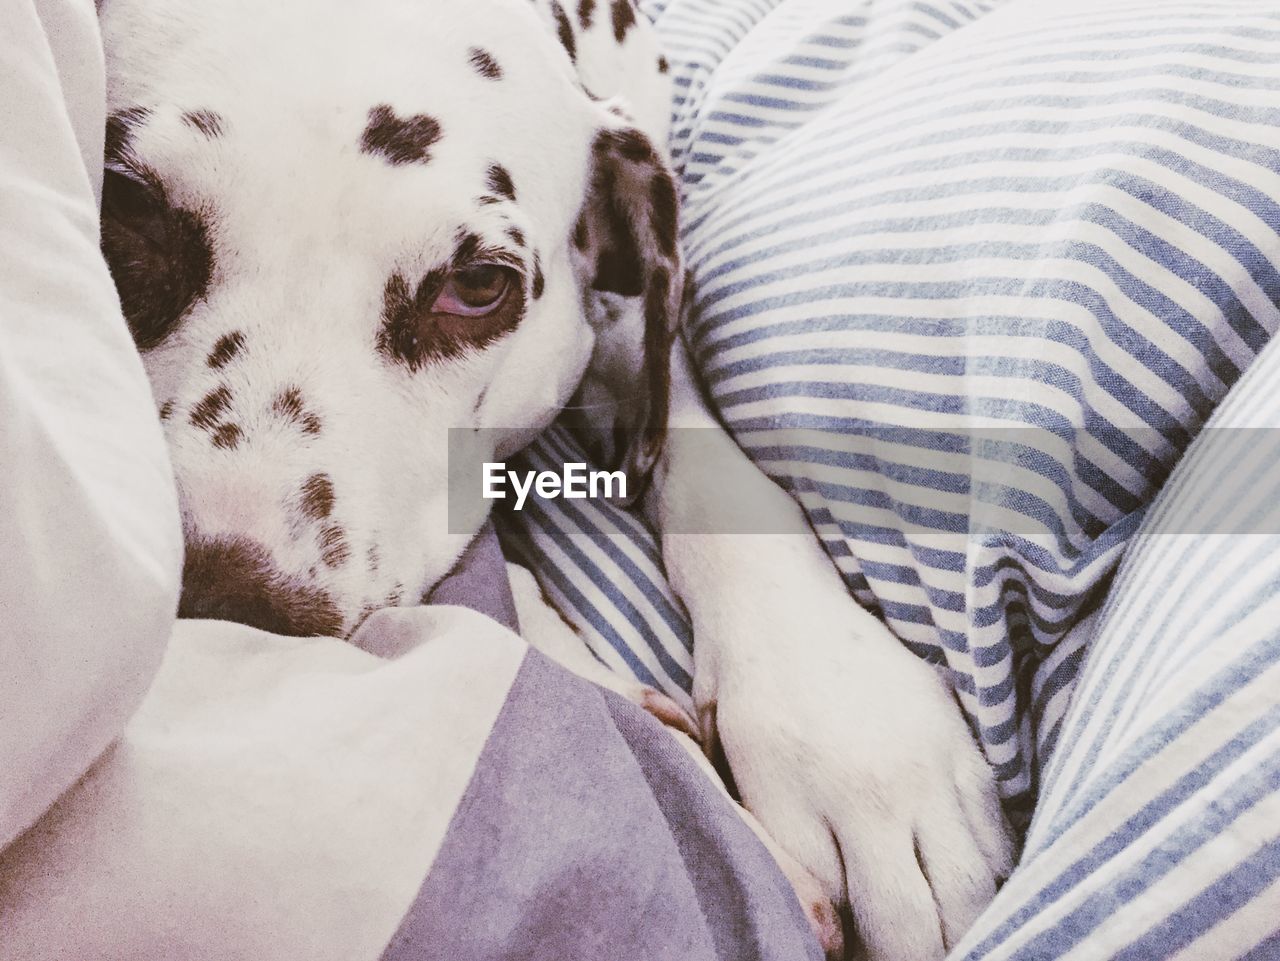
(1157, 833)
(587, 832)
(280, 795)
(272, 796)
(88, 513)
(479, 581)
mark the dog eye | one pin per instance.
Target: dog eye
(475, 291)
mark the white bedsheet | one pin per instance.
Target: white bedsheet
(88, 513)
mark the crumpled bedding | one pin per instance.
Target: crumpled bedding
(88, 513)
(971, 280)
(968, 279)
(204, 790)
(280, 796)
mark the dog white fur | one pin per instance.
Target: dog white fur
(319, 152)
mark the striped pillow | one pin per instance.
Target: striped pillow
(1157, 829)
(1037, 240)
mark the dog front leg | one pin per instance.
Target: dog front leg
(850, 751)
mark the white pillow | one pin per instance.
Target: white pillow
(89, 524)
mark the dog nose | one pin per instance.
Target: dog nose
(236, 581)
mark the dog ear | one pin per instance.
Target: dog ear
(628, 261)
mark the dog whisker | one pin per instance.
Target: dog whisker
(586, 406)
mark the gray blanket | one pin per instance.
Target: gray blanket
(587, 833)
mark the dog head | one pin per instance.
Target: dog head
(339, 230)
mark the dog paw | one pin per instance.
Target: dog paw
(823, 916)
(666, 710)
(853, 755)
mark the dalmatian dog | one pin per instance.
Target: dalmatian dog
(339, 230)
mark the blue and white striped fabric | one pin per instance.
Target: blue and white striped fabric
(947, 217)
(1157, 832)
(1055, 220)
(601, 566)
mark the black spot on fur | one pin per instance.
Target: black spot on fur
(395, 595)
(484, 63)
(317, 497)
(289, 405)
(227, 436)
(516, 235)
(629, 142)
(334, 550)
(236, 581)
(208, 413)
(374, 558)
(618, 270)
(663, 205)
(539, 281)
(206, 121)
(120, 127)
(166, 410)
(499, 181)
(663, 65)
(657, 348)
(363, 616)
(225, 349)
(488, 200)
(158, 254)
(618, 266)
(400, 337)
(618, 263)
(627, 180)
(399, 140)
(466, 246)
(585, 9)
(580, 236)
(624, 18)
(564, 29)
